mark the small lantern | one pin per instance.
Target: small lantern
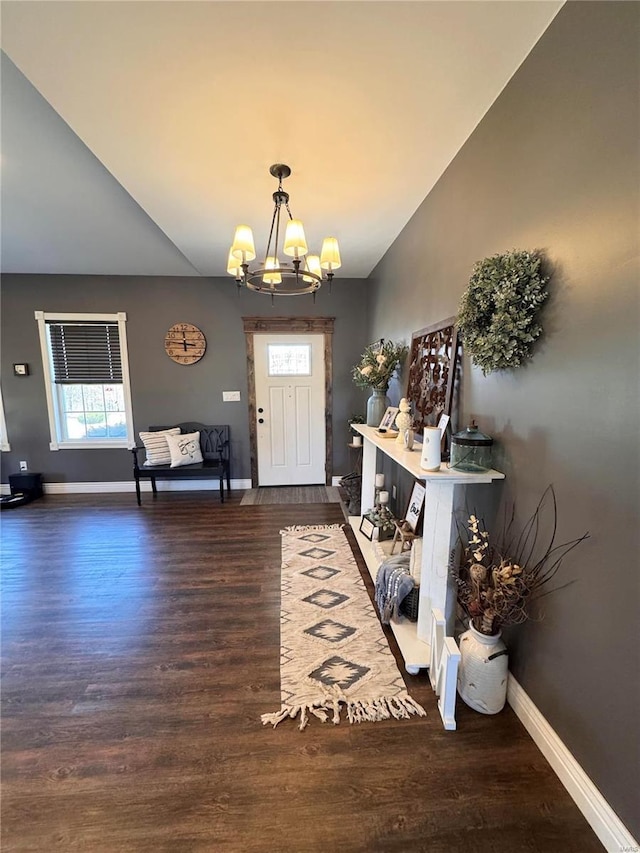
(471, 450)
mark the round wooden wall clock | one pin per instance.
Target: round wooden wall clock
(185, 343)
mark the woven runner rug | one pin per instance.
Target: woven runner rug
(291, 495)
(333, 653)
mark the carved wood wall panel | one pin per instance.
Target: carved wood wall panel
(433, 366)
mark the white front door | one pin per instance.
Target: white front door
(290, 409)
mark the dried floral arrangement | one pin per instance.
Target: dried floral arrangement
(498, 583)
(497, 316)
(378, 363)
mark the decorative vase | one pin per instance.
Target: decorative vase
(482, 672)
(430, 458)
(377, 405)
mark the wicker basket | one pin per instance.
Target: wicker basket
(409, 605)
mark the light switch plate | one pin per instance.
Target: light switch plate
(231, 396)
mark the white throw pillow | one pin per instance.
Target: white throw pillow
(184, 449)
(155, 444)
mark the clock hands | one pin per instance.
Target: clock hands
(185, 343)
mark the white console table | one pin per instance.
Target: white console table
(436, 609)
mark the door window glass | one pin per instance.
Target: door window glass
(289, 359)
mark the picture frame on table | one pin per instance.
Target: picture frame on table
(415, 506)
(389, 418)
(367, 527)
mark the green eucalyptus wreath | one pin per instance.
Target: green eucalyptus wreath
(497, 313)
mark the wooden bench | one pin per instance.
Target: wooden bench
(214, 444)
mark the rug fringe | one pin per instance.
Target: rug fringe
(358, 711)
(300, 528)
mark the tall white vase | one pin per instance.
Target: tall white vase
(483, 671)
(430, 458)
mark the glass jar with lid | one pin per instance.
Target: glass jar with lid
(471, 450)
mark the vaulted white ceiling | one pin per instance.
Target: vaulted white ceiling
(136, 135)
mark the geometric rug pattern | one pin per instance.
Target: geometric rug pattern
(334, 656)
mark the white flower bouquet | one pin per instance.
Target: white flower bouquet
(378, 364)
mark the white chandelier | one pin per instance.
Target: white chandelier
(304, 274)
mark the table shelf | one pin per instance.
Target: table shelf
(415, 652)
(437, 593)
(440, 531)
(410, 461)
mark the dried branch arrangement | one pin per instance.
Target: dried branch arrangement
(497, 583)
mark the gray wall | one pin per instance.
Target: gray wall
(554, 166)
(162, 391)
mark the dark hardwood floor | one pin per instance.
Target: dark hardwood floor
(140, 647)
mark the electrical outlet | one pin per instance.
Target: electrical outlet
(23, 465)
(231, 396)
(394, 492)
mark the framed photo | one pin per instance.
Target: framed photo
(389, 417)
(442, 426)
(367, 527)
(416, 503)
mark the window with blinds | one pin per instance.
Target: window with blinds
(87, 379)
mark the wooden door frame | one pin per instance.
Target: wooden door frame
(296, 326)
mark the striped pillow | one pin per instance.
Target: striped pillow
(155, 444)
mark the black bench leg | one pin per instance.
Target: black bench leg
(138, 491)
(228, 480)
(153, 487)
(221, 488)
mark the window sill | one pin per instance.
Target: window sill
(95, 444)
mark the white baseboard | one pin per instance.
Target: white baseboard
(130, 486)
(603, 820)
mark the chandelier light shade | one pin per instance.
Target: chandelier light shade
(330, 256)
(304, 273)
(243, 248)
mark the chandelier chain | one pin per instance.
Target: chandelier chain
(275, 245)
(273, 219)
